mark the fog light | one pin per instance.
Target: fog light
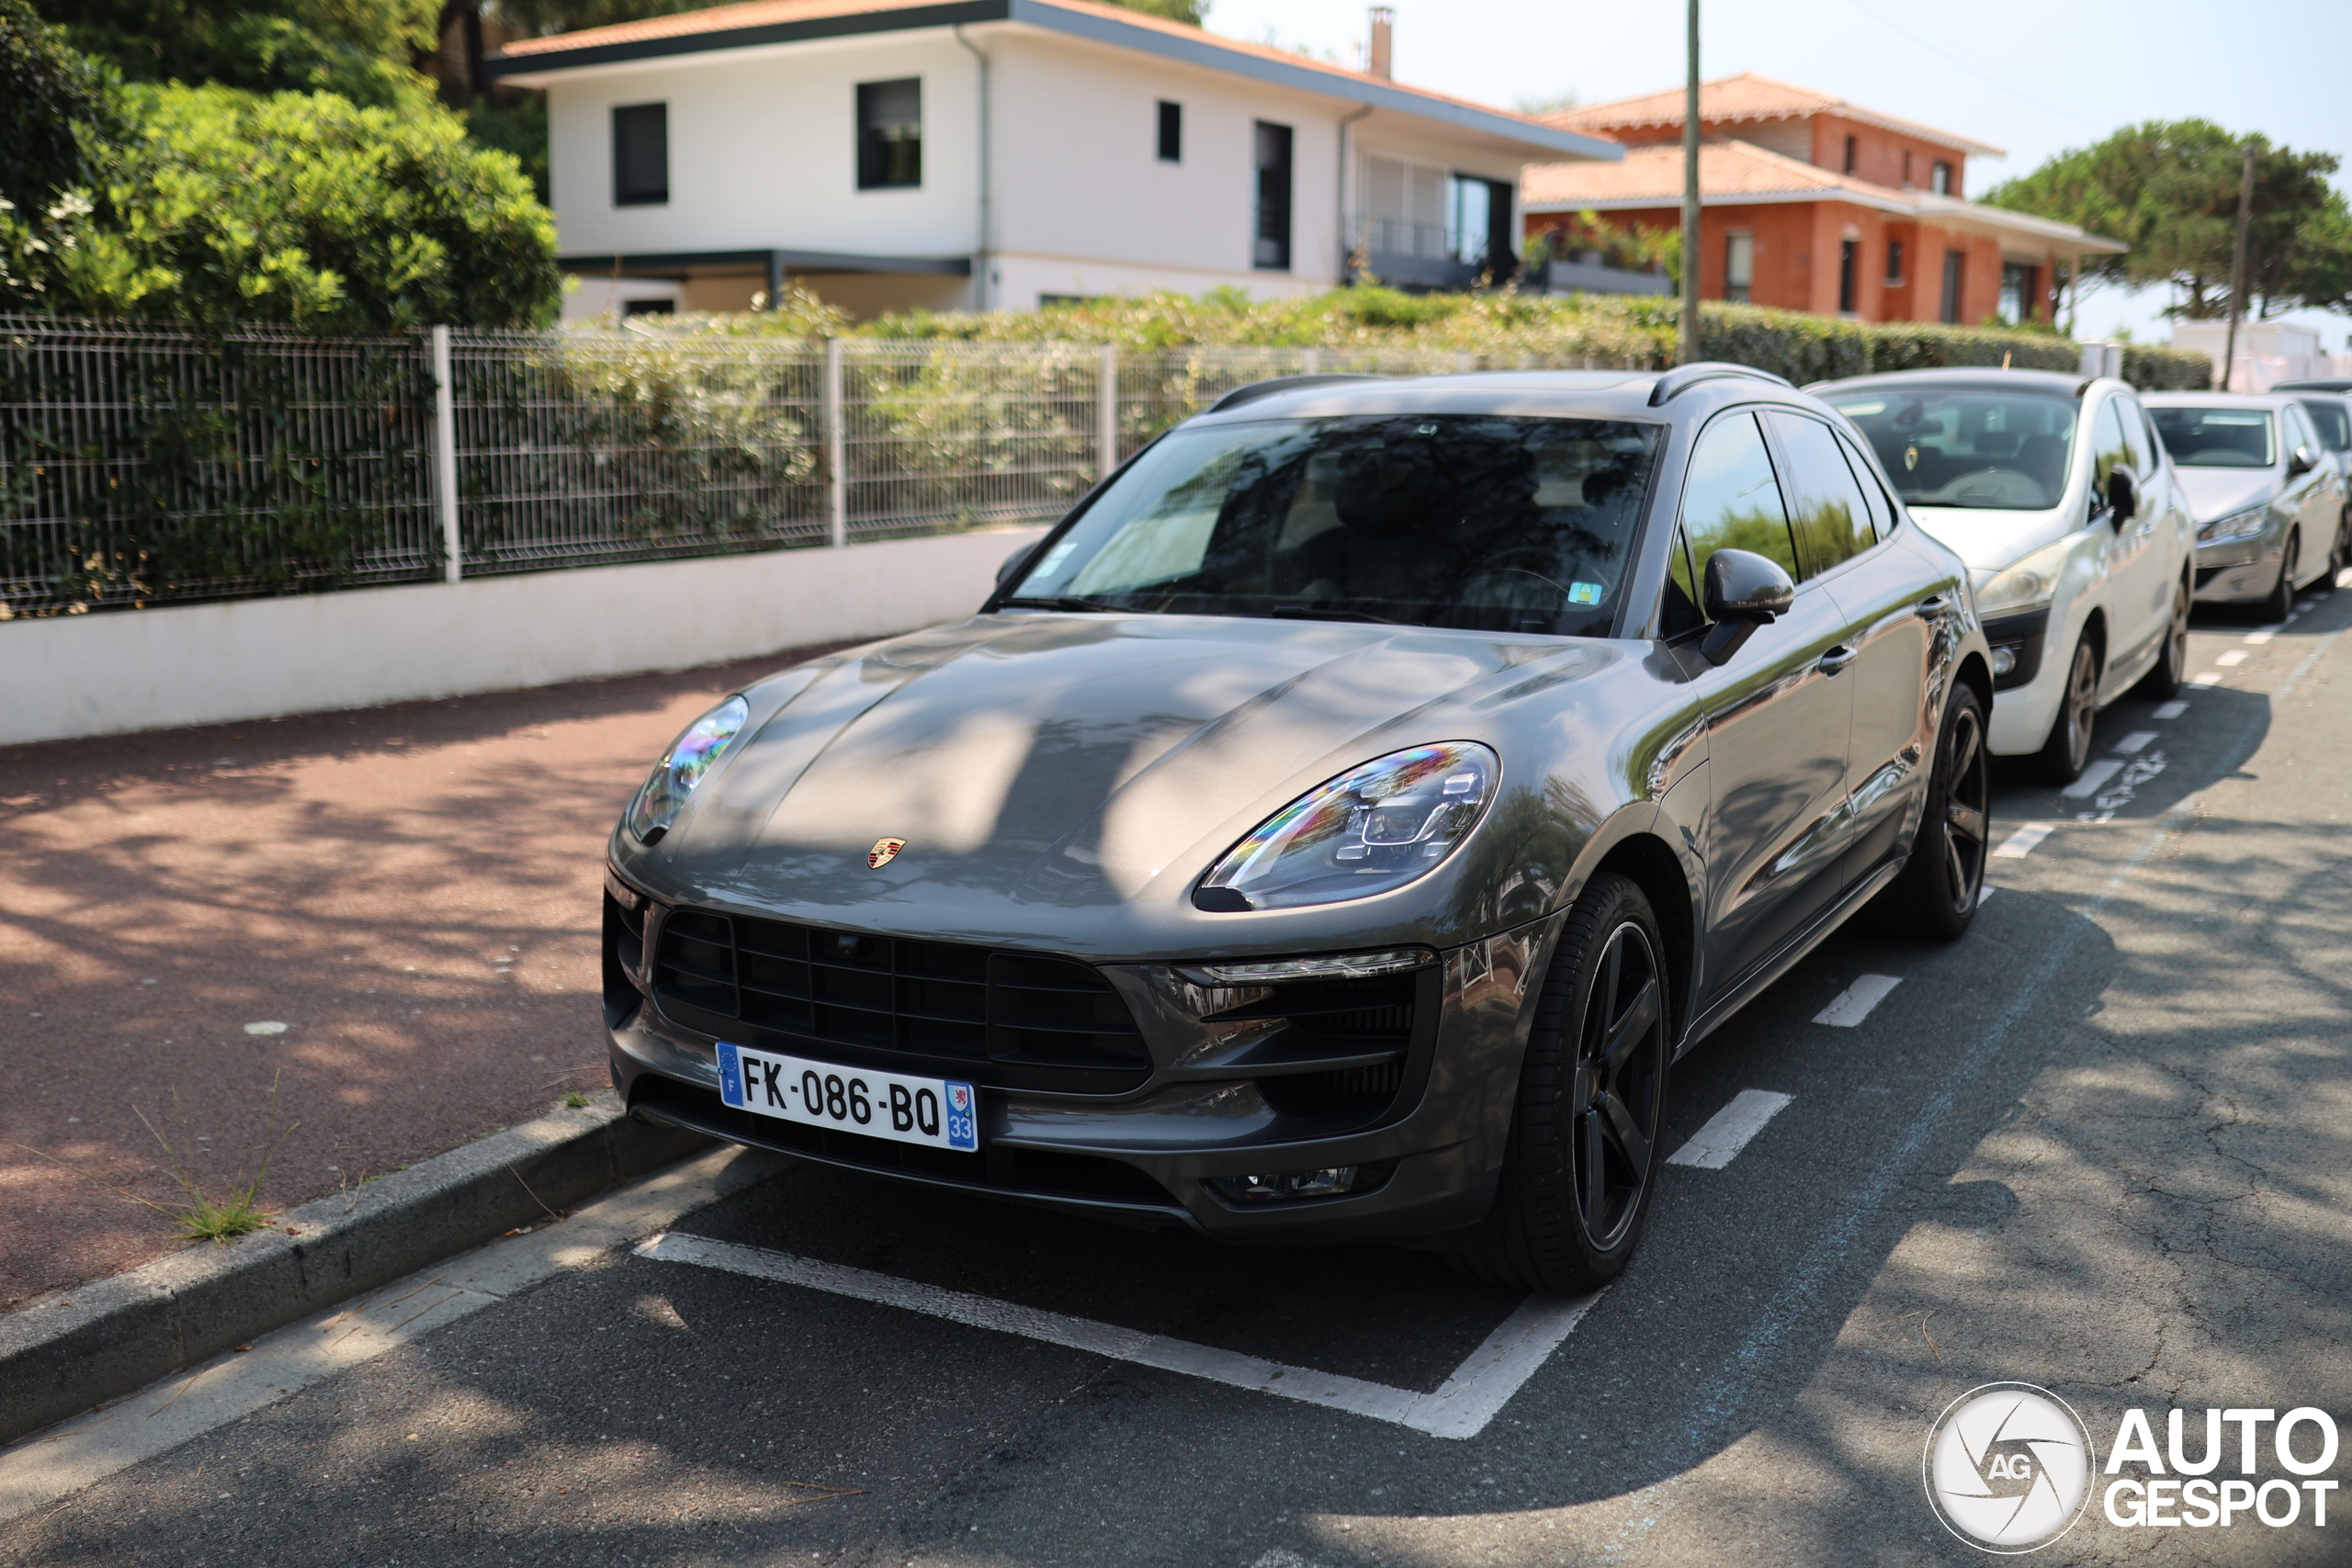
(1329, 1182)
(2004, 658)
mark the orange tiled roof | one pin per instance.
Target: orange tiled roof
(770, 12)
(1734, 172)
(1731, 99)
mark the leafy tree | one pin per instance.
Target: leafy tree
(2169, 189)
(303, 208)
(50, 98)
(361, 49)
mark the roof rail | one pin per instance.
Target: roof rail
(1240, 396)
(1684, 377)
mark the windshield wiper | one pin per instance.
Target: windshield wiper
(1063, 604)
(1318, 613)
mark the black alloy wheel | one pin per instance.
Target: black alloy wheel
(1584, 1143)
(2068, 749)
(2163, 683)
(1940, 885)
(2281, 602)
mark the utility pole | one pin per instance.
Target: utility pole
(2237, 267)
(1690, 197)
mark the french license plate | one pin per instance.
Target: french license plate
(941, 1113)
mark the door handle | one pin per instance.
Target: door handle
(1835, 660)
(1934, 605)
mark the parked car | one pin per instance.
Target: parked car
(2075, 528)
(1333, 829)
(2331, 417)
(2271, 515)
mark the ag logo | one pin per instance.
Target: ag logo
(884, 852)
(2008, 1468)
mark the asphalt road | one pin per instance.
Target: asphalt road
(2103, 1145)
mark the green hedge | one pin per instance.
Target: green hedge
(1501, 331)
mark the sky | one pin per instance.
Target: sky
(2035, 76)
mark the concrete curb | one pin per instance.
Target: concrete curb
(114, 1337)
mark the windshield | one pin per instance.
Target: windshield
(1954, 447)
(2334, 419)
(2216, 437)
(1476, 520)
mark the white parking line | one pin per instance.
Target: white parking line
(2020, 844)
(1460, 1407)
(2233, 656)
(2209, 678)
(1854, 1003)
(1983, 891)
(197, 1399)
(2097, 773)
(2261, 635)
(2136, 741)
(1727, 1131)
(2173, 709)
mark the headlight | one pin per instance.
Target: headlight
(1371, 829)
(2028, 585)
(2237, 525)
(696, 754)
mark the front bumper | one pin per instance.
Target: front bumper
(2026, 697)
(2238, 571)
(1218, 1098)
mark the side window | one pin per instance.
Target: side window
(2299, 431)
(1682, 612)
(2135, 432)
(1873, 494)
(1731, 500)
(1826, 512)
(2109, 446)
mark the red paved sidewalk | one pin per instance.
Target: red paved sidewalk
(412, 891)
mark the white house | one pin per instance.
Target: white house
(1003, 153)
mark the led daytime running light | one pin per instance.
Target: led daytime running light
(1335, 967)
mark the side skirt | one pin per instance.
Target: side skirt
(1780, 963)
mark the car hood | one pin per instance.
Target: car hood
(1990, 539)
(2217, 492)
(1053, 763)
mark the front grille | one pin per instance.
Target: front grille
(1009, 1019)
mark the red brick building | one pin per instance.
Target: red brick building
(1808, 202)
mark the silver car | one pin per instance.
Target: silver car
(2269, 498)
(2073, 525)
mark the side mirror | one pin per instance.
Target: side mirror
(1743, 592)
(1016, 561)
(2123, 496)
(2301, 462)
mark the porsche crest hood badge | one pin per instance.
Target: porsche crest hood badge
(884, 852)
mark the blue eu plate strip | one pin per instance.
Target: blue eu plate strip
(731, 1074)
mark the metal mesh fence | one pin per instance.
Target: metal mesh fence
(142, 466)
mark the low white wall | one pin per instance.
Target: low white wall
(110, 673)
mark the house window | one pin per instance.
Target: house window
(648, 306)
(1906, 171)
(1851, 148)
(889, 134)
(1895, 264)
(1940, 178)
(2020, 291)
(1739, 266)
(1849, 260)
(1478, 227)
(1171, 132)
(641, 155)
(1954, 261)
(1273, 250)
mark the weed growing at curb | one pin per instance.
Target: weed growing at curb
(237, 1212)
(575, 1100)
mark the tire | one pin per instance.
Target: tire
(2336, 558)
(1935, 896)
(1584, 1153)
(2163, 683)
(2068, 750)
(2281, 602)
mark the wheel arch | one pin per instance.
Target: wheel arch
(1650, 863)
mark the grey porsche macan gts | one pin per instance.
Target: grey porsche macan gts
(1334, 829)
